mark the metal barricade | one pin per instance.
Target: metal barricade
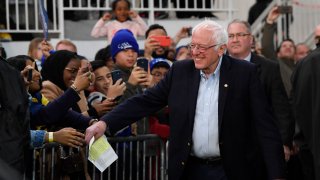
(140, 157)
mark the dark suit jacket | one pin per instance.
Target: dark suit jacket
(269, 73)
(246, 126)
(306, 103)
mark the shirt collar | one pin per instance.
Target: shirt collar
(248, 58)
(216, 71)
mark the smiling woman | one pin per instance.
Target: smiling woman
(59, 72)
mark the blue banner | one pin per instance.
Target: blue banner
(44, 19)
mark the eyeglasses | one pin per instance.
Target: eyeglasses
(238, 35)
(72, 70)
(200, 48)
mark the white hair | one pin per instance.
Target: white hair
(219, 34)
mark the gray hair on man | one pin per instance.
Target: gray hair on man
(245, 23)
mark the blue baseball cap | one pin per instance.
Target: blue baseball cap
(159, 62)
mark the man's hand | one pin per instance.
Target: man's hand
(273, 15)
(96, 130)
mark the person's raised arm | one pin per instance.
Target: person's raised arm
(267, 41)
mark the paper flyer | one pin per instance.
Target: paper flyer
(101, 154)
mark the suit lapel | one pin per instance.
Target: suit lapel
(224, 83)
(254, 60)
(193, 83)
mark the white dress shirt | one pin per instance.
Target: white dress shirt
(205, 134)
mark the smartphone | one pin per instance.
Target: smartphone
(164, 41)
(285, 9)
(143, 63)
(29, 78)
(189, 31)
(116, 75)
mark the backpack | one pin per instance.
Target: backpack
(14, 117)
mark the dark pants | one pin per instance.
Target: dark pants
(196, 170)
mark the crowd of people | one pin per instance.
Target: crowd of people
(228, 110)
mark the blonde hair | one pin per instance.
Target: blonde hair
(33, 45)
(67, 43)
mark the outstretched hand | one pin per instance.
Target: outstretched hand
(69, 137)
(96, 130)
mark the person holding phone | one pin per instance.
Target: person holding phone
(153, 46)
(120, 18)
(103, 98)
(124, 52)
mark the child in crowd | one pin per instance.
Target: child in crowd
(35, 51)
(182, 53)
(105, 91)
(121, 18)
(124, 52)
(104, 54)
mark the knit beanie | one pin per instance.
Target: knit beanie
(123, 39)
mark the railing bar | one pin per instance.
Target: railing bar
(157, 167)
(117, 164)
(43, 163)
(101, 175)
(7, 15)
(61, 18)
(36, 22)
(144, 161)
(45, 4)
(123, 160)
(52, 162)
(130, 161)
(109, 172)
(138, 159)
(150, 167)
(17, 16)
(34, 154)
(54, 5)
(26, 14)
